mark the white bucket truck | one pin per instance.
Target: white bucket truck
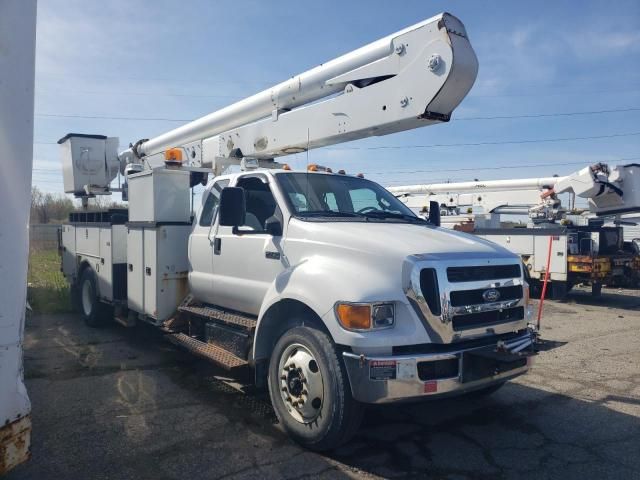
(331, 290)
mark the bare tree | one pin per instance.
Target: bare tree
(48, 208)
(103, 202)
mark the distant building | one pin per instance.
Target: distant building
(630, 232)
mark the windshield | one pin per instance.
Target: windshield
(318, 195)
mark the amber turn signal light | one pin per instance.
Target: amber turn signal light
(353, 316)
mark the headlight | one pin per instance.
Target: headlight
(383, 315)
(365, 316)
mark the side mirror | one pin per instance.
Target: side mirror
(434, 213)
(273, 226)
(232, 207)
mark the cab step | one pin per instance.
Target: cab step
(210, 352)
(210, 312)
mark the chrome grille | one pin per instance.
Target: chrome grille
(484, 272)
(473, 297)
(487, 318)
(430, 290)
(463, 296)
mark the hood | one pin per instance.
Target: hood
(394, 239)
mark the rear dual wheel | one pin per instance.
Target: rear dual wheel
(94, 312)
(310, 390)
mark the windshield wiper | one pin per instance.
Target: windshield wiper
(400, 216)
(327, 213)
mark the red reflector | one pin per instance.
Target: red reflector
(431, 387)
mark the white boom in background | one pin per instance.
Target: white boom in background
(477, 186)
(17, 64)
(608, 190)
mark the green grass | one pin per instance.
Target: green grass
(48, 290)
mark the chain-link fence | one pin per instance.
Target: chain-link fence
(43, 236)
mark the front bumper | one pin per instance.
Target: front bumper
(385, 379)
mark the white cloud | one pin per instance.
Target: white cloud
(597, 44)
(537, 53)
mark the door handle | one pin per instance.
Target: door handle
(217, 245)
(272, 255)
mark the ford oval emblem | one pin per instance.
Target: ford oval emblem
(491, 295)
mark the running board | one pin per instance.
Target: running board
(210, 352)
(210, 312)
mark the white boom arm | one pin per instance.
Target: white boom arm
(412, 78)
(609, 191)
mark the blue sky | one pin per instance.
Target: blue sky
(178, 60)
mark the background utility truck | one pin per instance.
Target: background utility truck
(582, 248)
(327, 287)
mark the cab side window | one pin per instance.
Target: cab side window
(259, 201)
(210, 209)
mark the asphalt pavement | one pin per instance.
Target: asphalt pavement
(113, 403)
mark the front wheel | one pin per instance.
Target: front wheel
(310, 390)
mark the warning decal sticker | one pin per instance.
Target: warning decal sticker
(382, 369)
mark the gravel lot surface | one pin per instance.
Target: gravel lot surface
(121, 404)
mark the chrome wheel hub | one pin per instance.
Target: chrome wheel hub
(301, 383)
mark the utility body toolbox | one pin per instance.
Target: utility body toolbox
(158, 242)
(158, 267)
(99, 239)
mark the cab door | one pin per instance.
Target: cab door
(201, 244)
(246, 263)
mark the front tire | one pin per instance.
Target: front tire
(310, 390)
(93, 311)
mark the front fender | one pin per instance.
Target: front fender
(320, 281)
